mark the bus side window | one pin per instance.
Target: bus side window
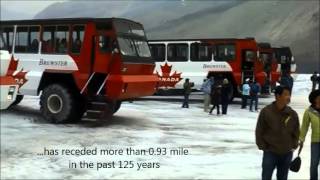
(77, 38)
(7, 33)
(3, 45)
(158, 52)
(225, 52)
(200, 52)
(62, 39)
(21, 43)
(48, 39)
(33, 39)
(178, 52)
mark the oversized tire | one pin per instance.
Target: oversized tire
(59, 105)
(116, 106)
(17, 101)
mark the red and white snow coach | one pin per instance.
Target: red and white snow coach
(78, 66)
(196, 59)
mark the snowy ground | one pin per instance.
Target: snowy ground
(220, 147)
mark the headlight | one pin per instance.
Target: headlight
(12, 89)
(9, 97)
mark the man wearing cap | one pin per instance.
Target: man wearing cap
(277, 134)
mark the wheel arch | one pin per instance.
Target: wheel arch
(65, 79)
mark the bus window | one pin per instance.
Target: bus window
(7, 33)
(158, 52)
(3, 45)
(104, 27)
(178, 52)
(33, 42)
(62, 39)
(127, 47)
(200, 52)
(21, 43)
(265, 57)
(77, 38)
(104, 44)
(249, 56)
(225, 52)
(126, 28)
(48, 39)
(142, 48)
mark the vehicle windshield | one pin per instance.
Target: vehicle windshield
(265, 57)
(133, 47)
(2, 42)
(132, 39)
(283, 55)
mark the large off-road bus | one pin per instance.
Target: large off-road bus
(78, 65)
(196, 59)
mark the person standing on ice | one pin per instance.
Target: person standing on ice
(312, 117)
(314, 80)
(206, 89)
(216, 97)
(225, 92)
(318, 81)
(277, 134)
(254, 91)
(245, 94)
(187, 91)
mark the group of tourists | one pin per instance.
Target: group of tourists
(217, 93)
(278, 132)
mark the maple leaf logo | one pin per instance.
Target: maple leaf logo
(20, 76)
(166, 79)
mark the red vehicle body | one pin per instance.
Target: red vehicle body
(269, 64)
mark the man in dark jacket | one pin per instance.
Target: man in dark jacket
(254, 91)
(314, 80)
(216, 97)
(187, 91)
(277, 134)
(225, 93)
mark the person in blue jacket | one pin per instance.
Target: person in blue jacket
(245, 93)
